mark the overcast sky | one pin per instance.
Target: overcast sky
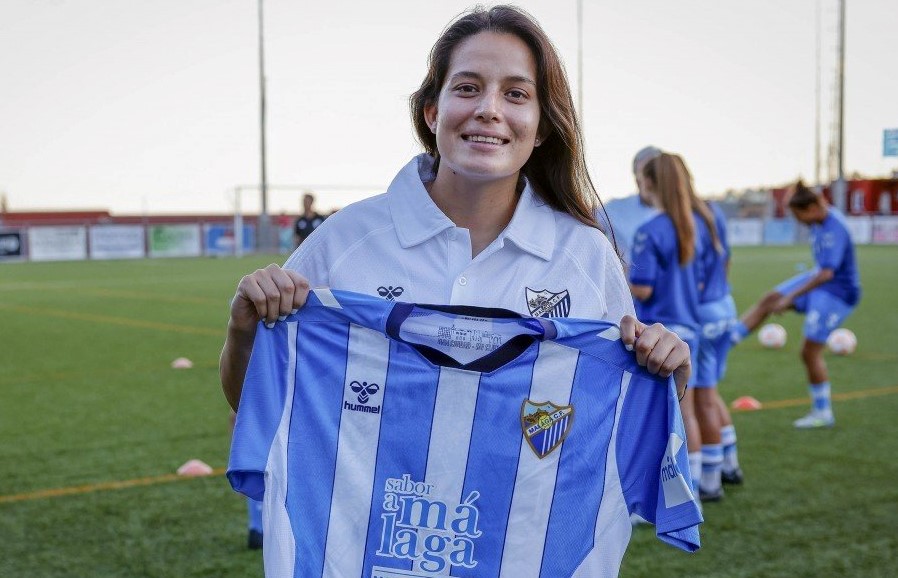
(135, 105)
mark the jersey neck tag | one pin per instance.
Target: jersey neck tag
(545, 425)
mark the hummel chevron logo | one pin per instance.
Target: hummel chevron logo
(390, 293)
(364, 389)
(365, 393)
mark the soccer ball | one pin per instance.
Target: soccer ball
(842, 341)
(772, 336)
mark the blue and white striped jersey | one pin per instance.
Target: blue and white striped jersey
(391, 440)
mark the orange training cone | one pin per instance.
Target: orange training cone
(746, 403)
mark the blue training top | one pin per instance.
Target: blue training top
(833, 249)
(675, 294)
(714, 283)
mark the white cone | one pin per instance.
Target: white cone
(195, 468)
(181, 363)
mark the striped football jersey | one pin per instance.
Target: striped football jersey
(391, 440)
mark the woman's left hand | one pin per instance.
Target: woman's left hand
(658, 349)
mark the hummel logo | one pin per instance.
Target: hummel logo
(390, 293)
(364, 389)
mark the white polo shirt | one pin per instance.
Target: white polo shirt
(399, 245)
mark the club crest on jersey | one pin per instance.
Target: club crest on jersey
(545, 425)
(390, 293)
(544, 303)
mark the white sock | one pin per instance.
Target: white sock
(728, 441)
(712, 460)
(695, 469)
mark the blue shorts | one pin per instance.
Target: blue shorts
(714, 342)
(690, 336)
(823, 311)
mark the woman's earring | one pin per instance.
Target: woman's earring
(537, 143)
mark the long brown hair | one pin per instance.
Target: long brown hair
(701, 207)
(556, 169)
(676, 196)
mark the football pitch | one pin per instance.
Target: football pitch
(94, 422)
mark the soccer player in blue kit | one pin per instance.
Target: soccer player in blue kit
(665, 271)
(717, 315)
(826, 295)
(498, 212)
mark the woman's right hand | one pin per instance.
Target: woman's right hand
(267, 294)
(658, 349)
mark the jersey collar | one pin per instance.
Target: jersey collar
(532, 329)
(418, 219)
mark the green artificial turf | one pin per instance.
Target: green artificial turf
(88, 399)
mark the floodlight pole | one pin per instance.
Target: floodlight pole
(264, 221)
(839, 190)
(841, 87)
(817, 100)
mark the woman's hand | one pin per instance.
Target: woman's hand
(267, 294)
(658, 349)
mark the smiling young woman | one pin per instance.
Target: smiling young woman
(496, 212)
(557, 167)
(485, 121)
(497, 209)
(487, 115)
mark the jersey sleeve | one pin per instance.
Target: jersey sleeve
(653, 463)
(261, 406)
(644, 262)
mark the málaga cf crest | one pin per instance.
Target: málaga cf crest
(545, 425)
(544, 303)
